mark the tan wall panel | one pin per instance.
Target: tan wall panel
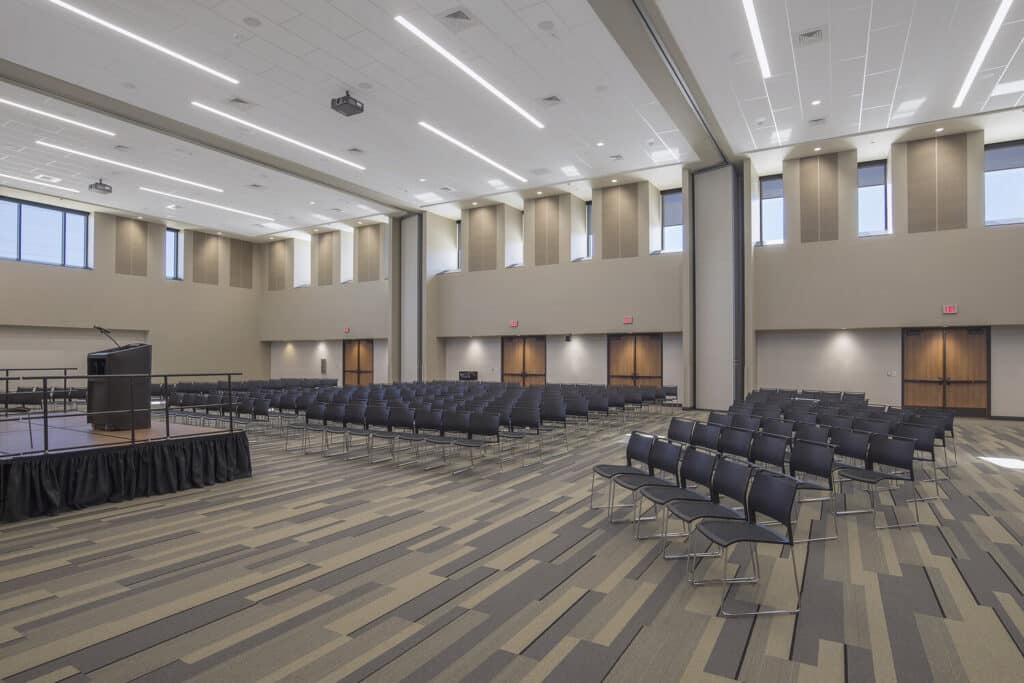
(951, 182)
(828, 197)
(610, 200)
(808, 203)
(326, 247)
(368, 248)
(241, 264)
(482, 238)
(546, 230)
(629, 220)
(205, 258)
(277, 266)
(131, 247)
(921, 186)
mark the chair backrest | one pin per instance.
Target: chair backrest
(735, 442)
(427, 418)
(721, 419)
(680, 430)
(335, 412)
(769, 449)
(874, 426)
(749, 422)
(638, 449)
(577, 406)
(812, 458)
(730, 480)
(377, 416)
(835, 421)
(552, 410)
(779, 427)
(355, 413)
(455, 422)
(923, 435)
(698, 466)
(598, 403)
(483, 424)
(315, 412)
(851, 443)
(525, 416)
(892, 452)
(402, 418)
(772, 495)
(706, 435)
(809, 432)
(665, 457)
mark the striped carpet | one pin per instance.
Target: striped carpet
(322, 569)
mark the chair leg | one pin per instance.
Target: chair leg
(845, 510)
(835, 521)
(917, 514)
(728, 585)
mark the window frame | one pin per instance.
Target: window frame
(590, 230)
(682, 225)
(63, 233)
(458, 245)
(179, 276)
(887, 229)
(985, 172)
(760, 211)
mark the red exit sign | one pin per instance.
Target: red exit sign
(513, 323)
(627, 320)
(949, 309)
(346, 330)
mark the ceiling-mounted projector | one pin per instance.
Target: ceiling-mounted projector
(101, 187)
(347, 105)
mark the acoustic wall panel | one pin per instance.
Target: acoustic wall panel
(819, 198)
(619, 221)
(483, 238)
(277, 266)
(368, 253)
(130, 247)
(326, 248)
(409, 301)
(545, 229)
(241, 264)
(205, 258)
(937, 184)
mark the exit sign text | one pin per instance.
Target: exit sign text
(513, 323)
(949, 309)
(627, 320)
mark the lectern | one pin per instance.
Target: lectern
(117, 393)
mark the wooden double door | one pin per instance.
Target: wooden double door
(524, 360)
(947, 367)
(357, 361)
(634, 360)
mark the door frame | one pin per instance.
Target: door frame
(608, 356)
(523, 375)
(966, 412)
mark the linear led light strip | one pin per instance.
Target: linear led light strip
(36, 182)
(62, 119)
(273, 134)
(128, 166)
(755, 35)
(466, 70)
(210, 204)
(478, 155)
(145, 41)
(979, 58)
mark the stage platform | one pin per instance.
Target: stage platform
(73, 433)
(86, 466)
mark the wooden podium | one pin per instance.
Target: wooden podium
(119, 394)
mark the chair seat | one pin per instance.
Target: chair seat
(725, 533)
(470, 443)
(661, 494)
(871, 476)
(635, 481)
(609, 471)
(439, 440)
(689, 510)
(813, 485)
(412, 437)
(383, 435)
(358, 431)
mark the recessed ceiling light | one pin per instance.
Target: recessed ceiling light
(815, 103)
(571, 171)
(36, 182)
(279, 136)
(138, 218)
(145, 41)
(128, 166)
(979, 58)
(364, 207)
(539, 192)
(172, 207)
(939, 130)
(497, 184)
(615, 180)
(46, 178)
(466, 70)
(428, 197)
(220, 233)
(316, 229)
(199, 201)
(1007, 88)
(271, 237)
(62, 119)
(817, 149)
(321, 217)
(312, 203)
(600, 144)
(478, 155)
(755, 35)
(423, 180)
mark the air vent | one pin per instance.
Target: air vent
(810, 37)
(446, 188)
(122, 148)
(354, 150)
(820, 121)
(256, 186)
(615, 157)
(239, 103)
(541, 171)
(551, 100)
(457, 19)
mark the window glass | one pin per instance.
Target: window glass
(872, 213)
(672, 220)
(75, 240)
(42, 234)
(1004, 180)
(172, 245)
(8, 229)
(772, 211)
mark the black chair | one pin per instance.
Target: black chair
(729, 480)
(664, 465)
(680, 430)
(720, 419)
(816, 460)
(778, 427)
(428, 422)
(552, 417)
(771, 495)
(695, 467)
(924, 442)
(638, 450)
(455, 426)
(896, 456)
(736, 443)
(828, 420)
(577, 408)
(852, 445)
(525, 419)
(749, 422)
(483, 434)
(400, 420)
(811, 432)
(706, 436)
(879, 426)
(769, 450)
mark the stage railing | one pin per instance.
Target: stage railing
(48, 416)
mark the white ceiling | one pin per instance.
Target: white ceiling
(289, 201)
(882, 64)
(304, 52)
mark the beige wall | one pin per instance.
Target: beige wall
(55, 347)
(439, 255)
(482, 354)
(322, 312)
(1008, 371)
